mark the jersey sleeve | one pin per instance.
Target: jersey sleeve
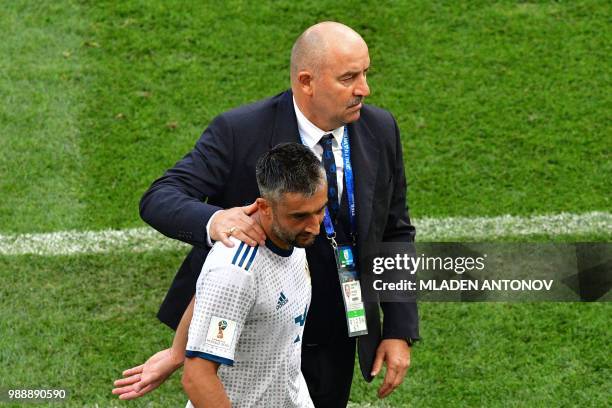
(224, 297)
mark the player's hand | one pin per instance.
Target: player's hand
(137, 381)
(242, 226)
(396, 354)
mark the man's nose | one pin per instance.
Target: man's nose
(314, 225)
(362, 89)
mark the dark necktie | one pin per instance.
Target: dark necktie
(330, 170)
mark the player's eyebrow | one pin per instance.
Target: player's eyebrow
(302, 213)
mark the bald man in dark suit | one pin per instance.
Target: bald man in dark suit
(205, 198)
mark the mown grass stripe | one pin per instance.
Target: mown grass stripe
(429, 230)
(40, 90)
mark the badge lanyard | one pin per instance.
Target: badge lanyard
(344, 253)
(350, 193)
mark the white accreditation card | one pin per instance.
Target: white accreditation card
(351, 291)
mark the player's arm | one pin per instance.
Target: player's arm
(202, 385)
(224, 297)
(179, 342)
(138, 381)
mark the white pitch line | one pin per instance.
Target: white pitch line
(482, 228)
(87, 242)
(428, 230)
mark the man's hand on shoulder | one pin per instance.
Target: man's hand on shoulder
(396, 354)
(236, 222)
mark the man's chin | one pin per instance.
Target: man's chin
(305, 242)
(352, 116)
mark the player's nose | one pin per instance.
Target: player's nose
(314, 225)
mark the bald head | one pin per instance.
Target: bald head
(311, 49)
(329, 65)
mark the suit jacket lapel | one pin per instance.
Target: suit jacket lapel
(364, 158)
(285, 122)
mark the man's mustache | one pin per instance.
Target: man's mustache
(356, 101)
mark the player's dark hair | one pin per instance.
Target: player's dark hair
(288, 168)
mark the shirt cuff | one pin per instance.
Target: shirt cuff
(208, 224)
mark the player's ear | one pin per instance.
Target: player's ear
(264, 207)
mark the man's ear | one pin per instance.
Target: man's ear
(264, 207)
(304, 79)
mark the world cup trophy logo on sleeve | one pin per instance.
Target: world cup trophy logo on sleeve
(222, 326)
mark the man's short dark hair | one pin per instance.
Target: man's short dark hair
(288, 168)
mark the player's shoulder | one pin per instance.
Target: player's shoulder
(240, 255)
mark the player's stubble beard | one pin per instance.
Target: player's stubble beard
(300, 239)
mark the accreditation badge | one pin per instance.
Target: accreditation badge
(351, 290)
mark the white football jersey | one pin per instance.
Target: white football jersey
(250, 309)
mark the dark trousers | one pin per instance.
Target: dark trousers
(328, 370)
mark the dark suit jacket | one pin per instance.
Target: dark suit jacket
(220, 173)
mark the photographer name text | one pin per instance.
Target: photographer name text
(464, 285)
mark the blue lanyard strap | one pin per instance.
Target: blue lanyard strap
(350, 192)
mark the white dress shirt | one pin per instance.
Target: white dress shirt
(310, 135)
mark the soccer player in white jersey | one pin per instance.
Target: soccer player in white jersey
(244, 344)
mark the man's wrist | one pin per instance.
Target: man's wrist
(410, 340)
(177, 358)
(209, 240)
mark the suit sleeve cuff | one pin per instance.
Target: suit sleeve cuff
(411, 339)
(400, 320)
(208, 224)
